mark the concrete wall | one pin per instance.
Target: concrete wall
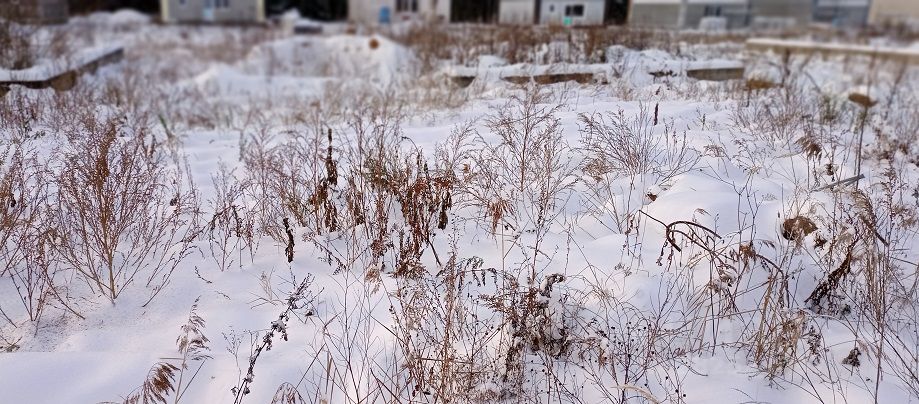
(553, 12)
(894, 11)
(235, 12)
(655, 14)
(516, 11)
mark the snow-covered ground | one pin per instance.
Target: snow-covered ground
(645, 238)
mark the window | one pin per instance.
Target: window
(712, 11)
(403, 6)
(576, 10)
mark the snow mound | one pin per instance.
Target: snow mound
(343, 56)
(128, 17)
(123, 17)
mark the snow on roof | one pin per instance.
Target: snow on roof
(51, 69)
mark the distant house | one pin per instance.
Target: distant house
(517, 12)
(37, 11)
(552, 12)
(842, 13)
(735, 13)
(688, 14)
(894, 12)
(385, 11)
(572, 12)
(213, 11)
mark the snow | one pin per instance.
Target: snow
(640, 65)
(907, 52)
(49, 70)
(343, 56)
(278, 91)
(128, 17)
(120, 18)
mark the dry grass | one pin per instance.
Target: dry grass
(336, 178)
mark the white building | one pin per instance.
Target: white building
(894, 12)
(517, 12)
(780, 13)
(372, 12)
(213, 11)
(552, 12)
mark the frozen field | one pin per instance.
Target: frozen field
(241, 215)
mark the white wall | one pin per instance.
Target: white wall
(368, 11)
(439, 9)
(516, 11)
(894, 11)
(553, 12)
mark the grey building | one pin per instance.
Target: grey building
(780, 13)
(656, 13)
(687, 14)
(213, 11)
(734, 12)
(842, 13)
(680, 14)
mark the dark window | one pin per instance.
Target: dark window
(576, 10)
(712, 11)
(406, 6)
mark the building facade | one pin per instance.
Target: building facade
(735, 13)
(213, 11)
(665, 14)
(372, 12)
(884, 12)
(687, 14)
(552, 12)
(780, 13)
(842, 13)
